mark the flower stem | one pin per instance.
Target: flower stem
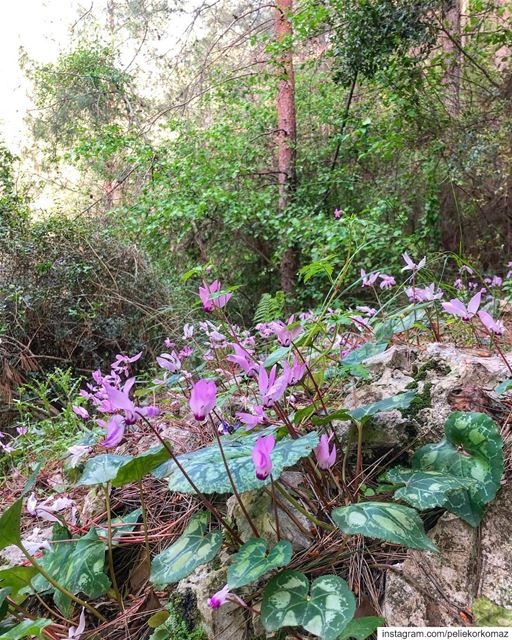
(211, 508)
(305, 512)
(233, 485)
(110, 546)
(145, 524)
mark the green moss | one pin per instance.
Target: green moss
(422, 400)
(183, 621)
(420, 373)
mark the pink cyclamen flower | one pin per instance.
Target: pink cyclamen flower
(81, 412)
(188, 331)
(386, 282)
(369, 279)
(369, 311)
(258, 416)
(77, 451)
(494, 326)
(325, 458)
(169, 361)
(457, 308)
(203, 398)
(410, 265)
(243, 359)
(121, 363)
(22, 431)
(271, 388)
(261, 456)
(207, 291)
(458, 284)
(286, 333)
(338, 213)
(219, 598)
(296, 371)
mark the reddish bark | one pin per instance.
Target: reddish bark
(287, 131)
(286, 121)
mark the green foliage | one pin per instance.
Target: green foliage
(424, 489)
(270, 307)
(17, 579)
(372, 35)
(324, 609)
(384, 521)
(191, 550)
(400, 401)
(206, 469)
(471, 449)
(252, 561)
(362, 628)
(25, 629)
(175, 627)
(489, 614)
(121, 470)
(10, 524)
(77, 566)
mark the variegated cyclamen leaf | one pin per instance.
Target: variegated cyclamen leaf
(102, 469)
(324, 610)
(472, 448)
(206, 468)
(424, 489)
(135, 469)
(190, 550)
(361, 628)
(385, 521)
(400, 401)
(77, 565)
(84, 571)
(367, 350)
(253, 561)
(25, 629)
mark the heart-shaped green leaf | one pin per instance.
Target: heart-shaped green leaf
(10, 525)
(391, 522)
(361, 628)
(472, 448)
(77, 566)
(367, 350)
(400, 401)
(4, 606)
(424, 489)
(102, 469)
(503, 387)
(324, 611)
(206, 468)
(25, 629)
(17, 578)
(139, 466)
(191, 550)
(252, 561)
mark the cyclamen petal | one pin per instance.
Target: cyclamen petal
(81, 412)
(219, 598)
(325, 458)
(203, 398)
(261, 456)
(115, 431)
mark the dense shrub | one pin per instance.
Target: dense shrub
(70, 294)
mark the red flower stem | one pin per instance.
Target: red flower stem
(211, 508)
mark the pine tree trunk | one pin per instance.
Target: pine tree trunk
(453, 56)
(287, 133)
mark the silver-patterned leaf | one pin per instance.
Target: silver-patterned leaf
(252, 561)
(472, 448)
(191, 550)
(102, 469)
(424, 489)
(206, 468)
(385, 521)
(400, 401)
(324, 610)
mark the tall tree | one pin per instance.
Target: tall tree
(287, 130)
